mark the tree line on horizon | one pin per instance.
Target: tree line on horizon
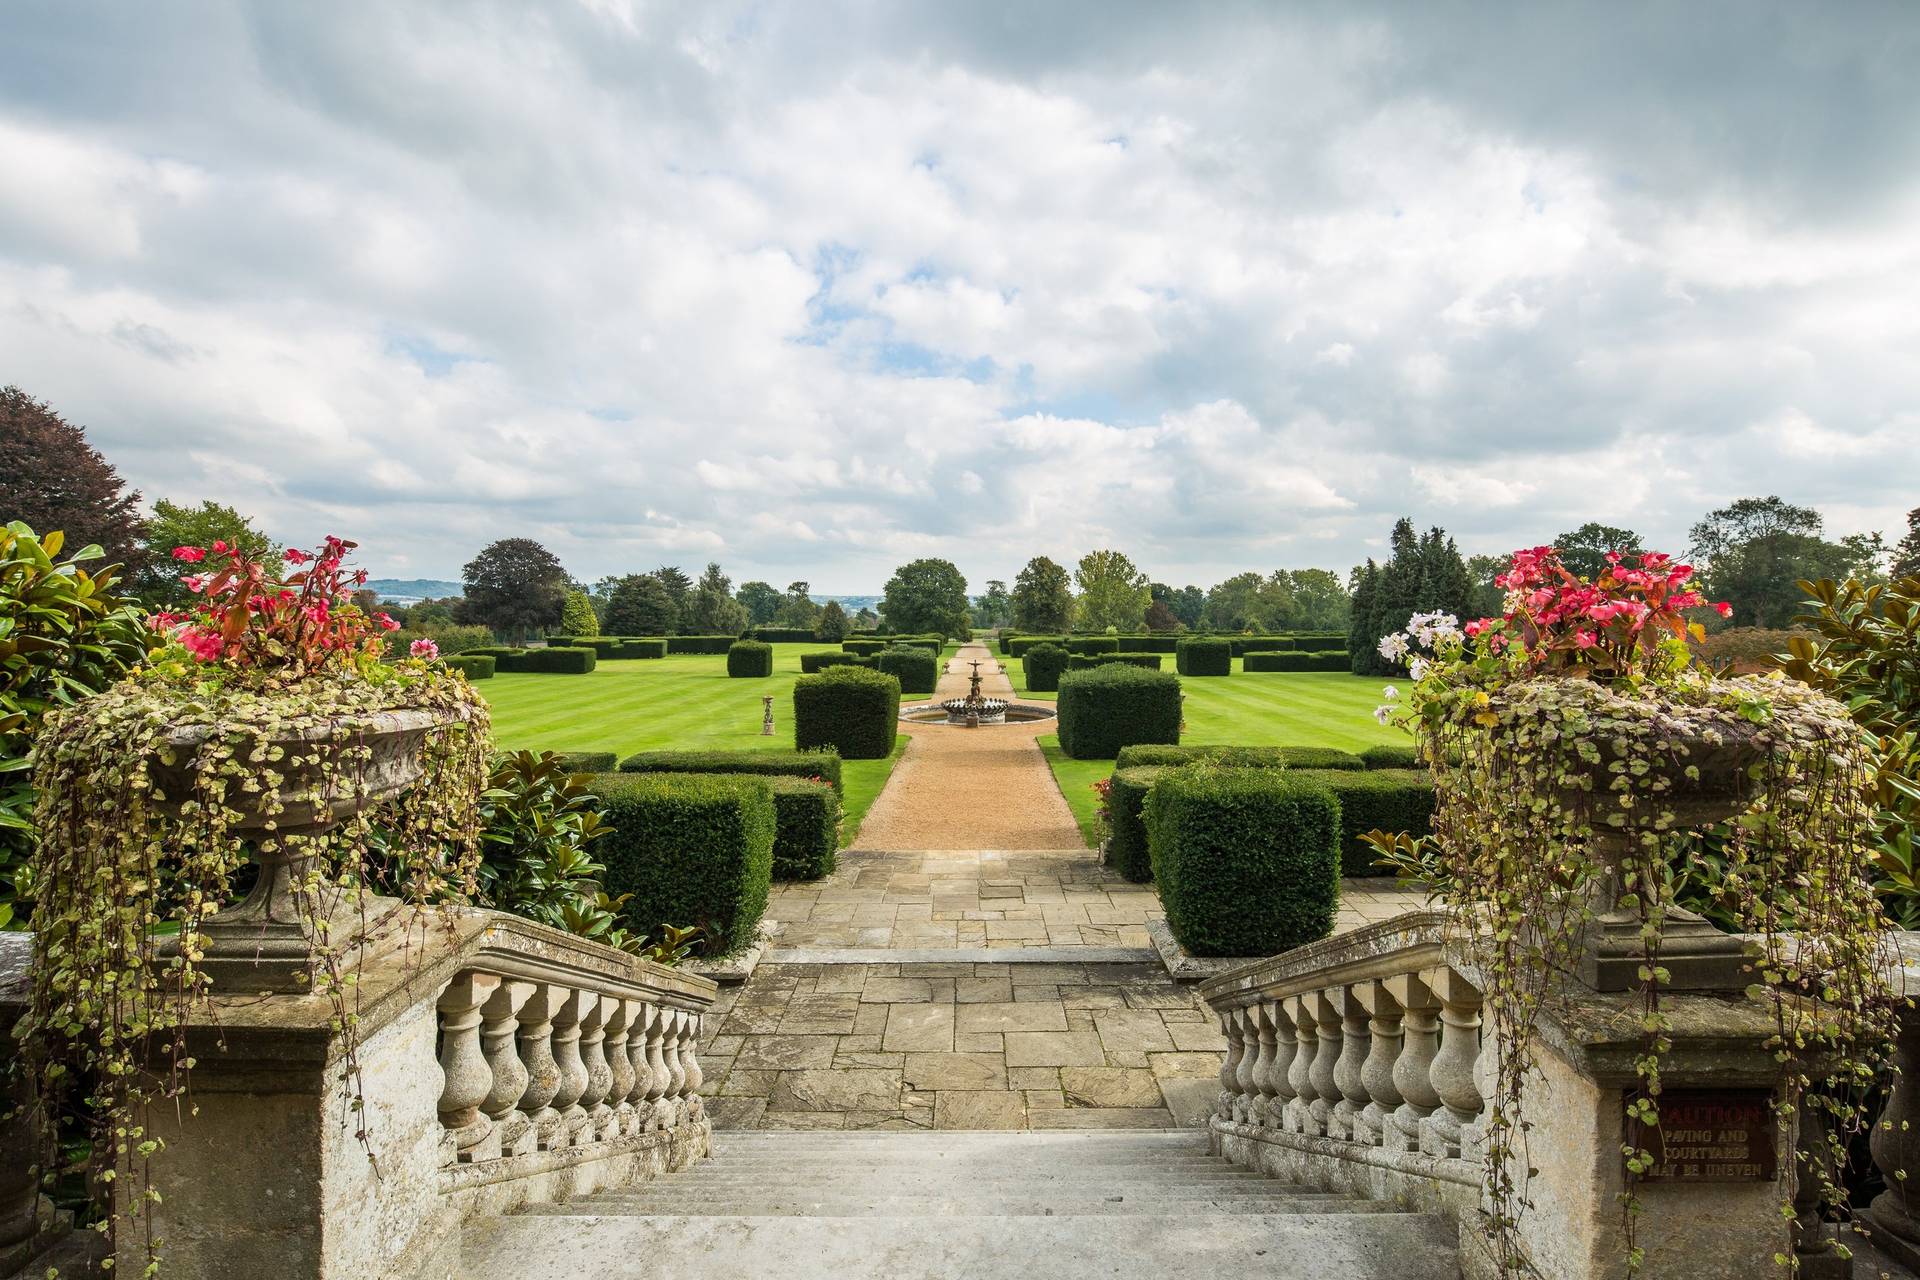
(1751, 553)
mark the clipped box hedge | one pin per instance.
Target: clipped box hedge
(639, 647)
(690, 850)
(824, 765)
(1247, 861)
(852, 710)
(474, 666)
(1127, 850)
(1084, 661)
(1330, 660)
(1018, 646)
(783, 635)
(1244, 645)
(566, 660)
(1156, 642)
(1204, 657)
(915, 668)
(1374, 800)
(750, 659)
(1093, 644)
(813, 662)
(700, 644)
(806, 837)
(586, 761)
(1044, 665)
(1114, 706)
(1242, 757)
(1399, 755)
(863, 648)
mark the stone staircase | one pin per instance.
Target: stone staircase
(945, 1205)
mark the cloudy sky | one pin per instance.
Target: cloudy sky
(813, 288)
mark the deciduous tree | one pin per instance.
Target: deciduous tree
(1752, 554)
(1042, 597)
(172, 525)
(761, 601)
(641, 605)
(577, 617)
(1113, 592)
(53, 480)
(927, 596)
(517, 587)
(1584, 550)
(833, 625)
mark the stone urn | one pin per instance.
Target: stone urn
(329, 772)
(1698, 776)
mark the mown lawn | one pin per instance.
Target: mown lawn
(1267, 708)
(680, 701)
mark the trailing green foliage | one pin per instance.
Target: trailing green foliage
(917, 669)
(1246, 860)
(1202, 656)
(1102, 710)
(1127, 850)
(751, 659)
(474, 666)
(850, 710)
(1241, 757)
(690, 849)
(1389, 800)
(1044, 664)
(1331, 660)
(824, 765)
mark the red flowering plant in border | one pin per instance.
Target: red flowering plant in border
(298, 620)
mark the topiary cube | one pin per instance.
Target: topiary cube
(916, 668)
(689, 849)
(1114, 706)
(1204, 657)
(852, 710)
(749, 658)
(1044, 665)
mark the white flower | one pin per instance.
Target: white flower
(1383, 714)
(1416, 667)
(1394, 647)
(1390, 693)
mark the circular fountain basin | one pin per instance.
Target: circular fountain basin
(1009, 713)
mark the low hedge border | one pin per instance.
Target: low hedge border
(1044, 665)
(689, 850)
(1084, 661)
(784, 635)
(810, 663)
(806, 837)
(1241, 757)
(917, 669)
(1247, 861)
(750, 659)
(1110, 707)
(852, 710)
(863, 648)
(1127, 850)
(1018, 646)
(1093, 644)
(1394, 756)
(474, 666)
(1374, 800)
(1204, 658)
(714, 645)
(824, 765)
(586, 761)
(566, 660)
(1330, 660)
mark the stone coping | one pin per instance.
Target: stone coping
(962, 955)
(732, 970)
(1182, 965)
(1405, 943)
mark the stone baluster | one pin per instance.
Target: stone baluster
(573, 1071)
(642, 1073)
(1300, 1115)
(1286, 1047)
(1895, 1212)
(1813, 1253)
(1383, 1051)
(1347, 1074)
(1265, 1064)
(620, 1026)
(543, 1072)
(1247, 1080)
(1452, 1073)
(1413, 1069)
(690, 1058)
(1230, 1064)
(657, 1074)
(676, 1035)
(1326, 1090)
(467, 1078)
(499, 1026)
(593, 1054)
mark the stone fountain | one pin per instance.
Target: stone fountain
(974, 710)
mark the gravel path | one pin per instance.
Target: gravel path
(985, 788)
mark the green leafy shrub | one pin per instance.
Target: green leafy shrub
(1020, 646)
(65, 632)
(586, 761)
(1204, 657)
(750, 658)
(1247, 861)
(537, 816)
(1127, 850)
(1331, 660)
(1241, 757)
(1086, 661)
(914, 667)
(824, 765)
(806, 836)
(700, 644)
(565, 660)
(690, 849)
(1390, 800)
(1092, 644)
(1110, 707)
(810, 663)
(1399, 755)
(474, 666)
(852, 710)
(1044, 665)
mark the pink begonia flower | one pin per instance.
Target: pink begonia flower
(1585, 639)
(1724, 609)
(386, 623)
(220, 548)
(296, 556)
(205, 646)
(194, 582)
(424, 649)
(192, 555)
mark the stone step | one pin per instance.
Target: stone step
(963, 1178)
(1175, 1246)
(929, 1206)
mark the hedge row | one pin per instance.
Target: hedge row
(1375, 800)
(824, 765)
(1044, 664)
(561, 659)
(863, 648)
(1015, 645)
(851, 710)
(1246, 861)
(783, 635)
(1397, 756)
(1093, 644)
(1241, 757)
(1204, 657)
(813, 662)
(1127, 850)
(806, 834)
(1329, 660)
(474, 666)
(700, 644)
(1114, 706)
(586, 761)
(689, 850)
(750, 658)
(1081, 662)
(914, 667)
